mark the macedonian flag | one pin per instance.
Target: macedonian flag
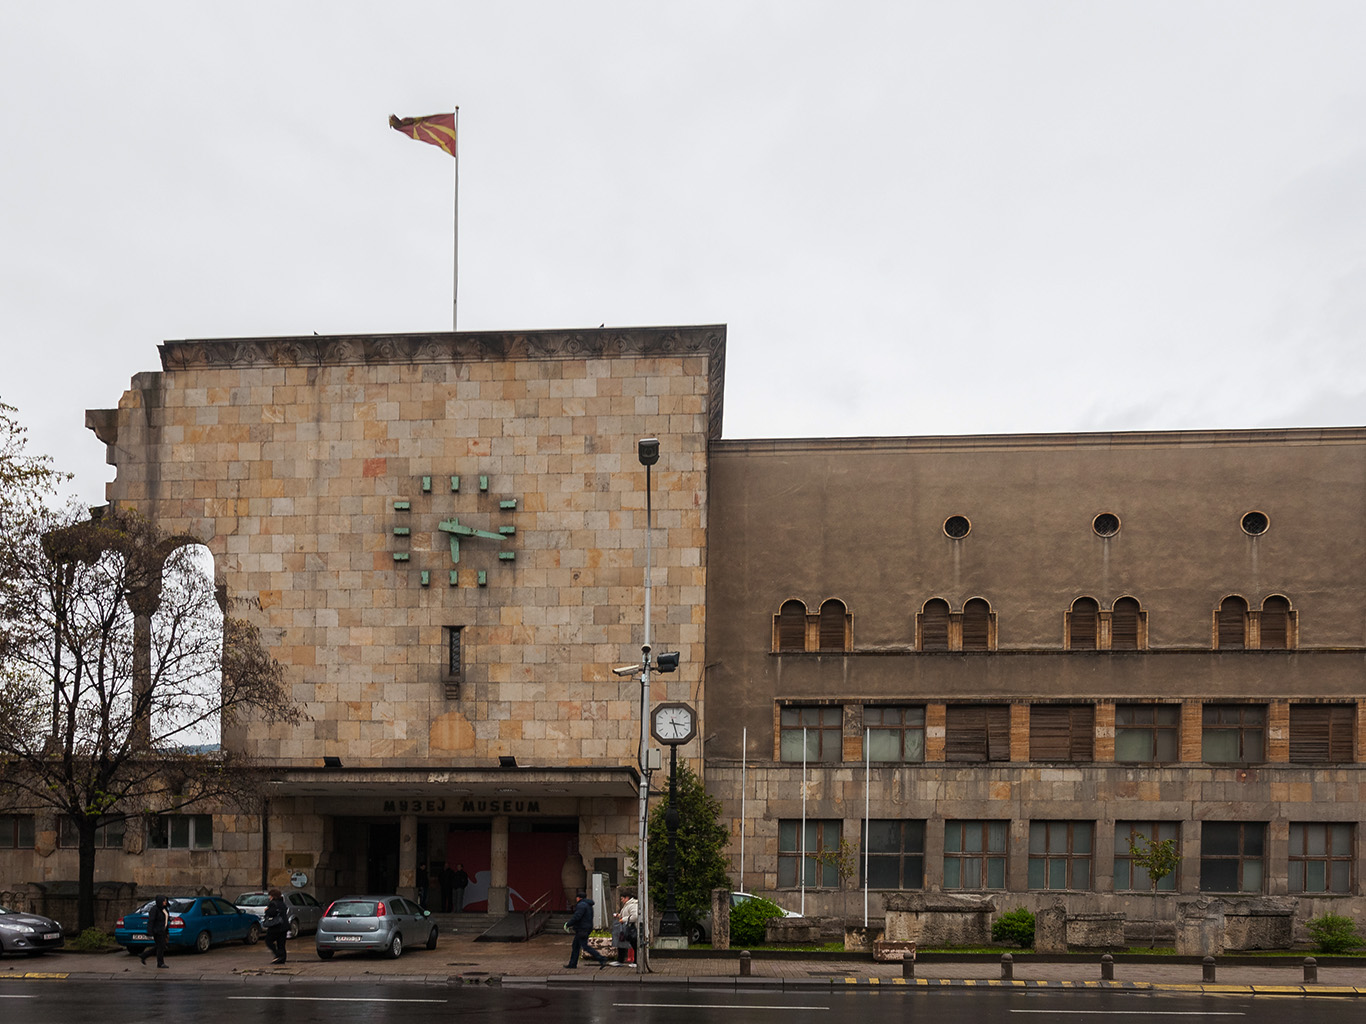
(437, 129)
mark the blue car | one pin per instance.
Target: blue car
(197, 922)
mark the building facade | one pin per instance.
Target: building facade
(986, 664)
(442, 538)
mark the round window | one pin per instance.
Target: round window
(1106, 524)
(957, 526)
(1255, 523)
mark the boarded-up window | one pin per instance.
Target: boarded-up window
(934, 626)
(1232, 624)
(1322, 733)
(976, 625)
(792, 626)
(833, 634)
(977, 732)
(1275, 623)
(1124, 619)
(1061, 732)
(1083, 625)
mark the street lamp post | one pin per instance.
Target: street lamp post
(647, 449)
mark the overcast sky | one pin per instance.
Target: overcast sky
(916, 218)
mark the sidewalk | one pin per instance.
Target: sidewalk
(458, 959)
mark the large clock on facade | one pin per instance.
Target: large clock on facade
(473, 525)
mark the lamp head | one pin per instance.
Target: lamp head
(648, 450)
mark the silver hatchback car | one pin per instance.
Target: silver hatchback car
(376, 924)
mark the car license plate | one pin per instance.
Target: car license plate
(142, 938)
(51, 936)
(346, 938)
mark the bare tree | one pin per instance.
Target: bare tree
(119, 669)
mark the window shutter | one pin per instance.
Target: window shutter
(1275, 624)
(1084, 619)
(792, 627)
(1322, 733)
(976, 625)
(1061, 732)
(832, 626)
(1124, 625)
(1232, 624)
(934, 626)
(998, 733)
(965, 734)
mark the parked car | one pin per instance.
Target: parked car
(378, 924)
(28, 933)
(701, 931)
(304, 910)
(197, 922)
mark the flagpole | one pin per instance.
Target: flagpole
(455, 284)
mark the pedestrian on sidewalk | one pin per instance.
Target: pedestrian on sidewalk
(159, 928)
(625, 931)
(459, 882)
(581, 924)
(276, 923)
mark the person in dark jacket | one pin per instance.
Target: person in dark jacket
(276, 921)
(581, 924)
(459, 881)
(158, 927)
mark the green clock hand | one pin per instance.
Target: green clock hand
(454, 526)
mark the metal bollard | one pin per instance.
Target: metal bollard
(745, 961)
(1107, 968)
(1208, 975)
(908, 967)
(1311, 969)
(1007, 967)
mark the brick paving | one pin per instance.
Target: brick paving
(458, 959)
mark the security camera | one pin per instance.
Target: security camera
(648, 450)
(625, 670)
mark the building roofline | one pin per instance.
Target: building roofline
(1057, 441)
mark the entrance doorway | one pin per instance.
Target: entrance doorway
(381, 858)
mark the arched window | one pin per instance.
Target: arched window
(1231, 633)
(1275, 623)
(1083, 625)
(934, 625)
(791, 626)
(977, 625)
(1124, 625)
(833, 631)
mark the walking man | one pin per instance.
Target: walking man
(158, 927)
(581, 924)
(276, 921)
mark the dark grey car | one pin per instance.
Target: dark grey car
(376, 924)
(28, 933)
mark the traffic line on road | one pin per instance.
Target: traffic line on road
(715, 1006)
(1146, 1013)
(332, 999)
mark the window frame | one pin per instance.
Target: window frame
(1088, 612)
(1044, 834)
(981, 833)
(828, 730)
(907, 859)
(1155, 731)
(1124, 865)
(1212, 731)
(1210, 860)
(823, 835)
(108, 834)
(1336, 858)
(904, 730)
(1338, 728)
(18, 832)
(167, 823)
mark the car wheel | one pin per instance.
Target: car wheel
(431, 939)
(325, 954)
(253, 934)
(395, 946)
(696, 934)
(294, 928)
(202, 942)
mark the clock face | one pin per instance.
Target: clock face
(467, 520)
(673, 723)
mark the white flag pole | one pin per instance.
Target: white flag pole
(455, 286)
(801, 863)
(867, 789)
(744, 750)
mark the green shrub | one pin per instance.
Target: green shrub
(92, 940)
(1333, 933)
(1016, 926)
(747, 921)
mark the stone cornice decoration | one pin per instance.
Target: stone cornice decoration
(463, 347)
